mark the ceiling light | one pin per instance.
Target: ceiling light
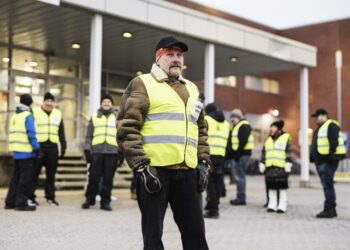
(275, 113)
(138, 73)
(233, 59)
(33, 64)
(75, 46)
(6, 59)
(127, 35)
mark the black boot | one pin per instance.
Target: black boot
(327, 213)
(106, 206)
(87, 204)
(211, 214)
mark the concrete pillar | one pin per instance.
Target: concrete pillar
(95, 63)
(304, 125)
(209, 73)
(338, 66)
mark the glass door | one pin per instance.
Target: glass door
(67, 98)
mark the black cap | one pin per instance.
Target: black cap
(320, 111)
(210, 108)
(279, 124)
(49, 96)
(170, 41)
(106, 96)
(26, 99)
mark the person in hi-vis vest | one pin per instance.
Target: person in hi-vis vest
(163, 135)
(102, 152)
(276, 163)
(239, 149)
(327, 149)
(218, 132)
(50, 131)
(25, 148)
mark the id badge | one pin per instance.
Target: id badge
(197, 108)
(112, 123)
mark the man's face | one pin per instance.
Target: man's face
(320, 119)
(172, 62)
(234, 120)
(106, 104)
(273, 130)
(48, 105)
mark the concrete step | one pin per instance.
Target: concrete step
(74, 185)
(71, 162)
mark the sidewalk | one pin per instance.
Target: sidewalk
(71, 228)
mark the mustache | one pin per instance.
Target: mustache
(175, 65)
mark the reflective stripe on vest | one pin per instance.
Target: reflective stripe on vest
(275, 151)
(218, 133)
(47, 126)
(18, 137)
(323, 142)
(170, 131)
(105, 129)
(235, 139)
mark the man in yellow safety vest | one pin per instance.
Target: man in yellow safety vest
(327, 150)
(102, 152)
(50, 131)
(218, 133)
(163, 134)
(239, 149)
(25, 148)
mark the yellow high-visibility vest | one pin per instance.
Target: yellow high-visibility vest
(275, 151)
(323, 142)
(235, 139)
(47, 126)
(170, 131)
(105, 129)
(18, 138)
(218, 133)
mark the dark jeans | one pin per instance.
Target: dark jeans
(102, 165)
(179, 189)
(215, 183)
(134, 181)
(49, 160)
(239, 169)
(326, 172)
(20, 188)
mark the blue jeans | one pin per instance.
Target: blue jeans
(238, 169)
(326, 172)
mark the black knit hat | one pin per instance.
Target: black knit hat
(170, 41)
(318, 112)
(106, 96)
(26, 99)
(210, 108)
(279, 124)
(49, 96)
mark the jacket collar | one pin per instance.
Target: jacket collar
(161, 76)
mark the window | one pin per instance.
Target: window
(29, 61)
(262, 84)
(226, 81)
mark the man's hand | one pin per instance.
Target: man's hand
(120, 159)
(38, 153)
(332, 159)
(203, 175)
(262, 167)
(87, 156)
(63, 152)
(150, 178)
(288, 167)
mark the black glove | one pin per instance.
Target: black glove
(63, 152)
(202, 176)
(120, 159)
(332, 159)
(150, 179)
(87, 156)
(38, 153)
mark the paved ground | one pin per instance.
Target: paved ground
(251, 227)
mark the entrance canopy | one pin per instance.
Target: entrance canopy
(53, 29)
